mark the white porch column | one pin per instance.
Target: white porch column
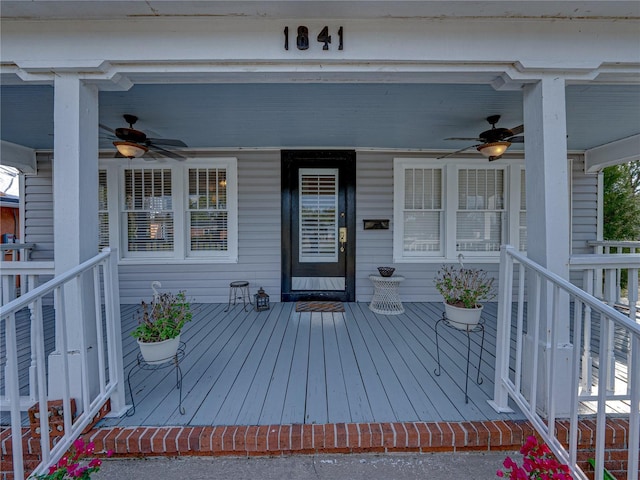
(75, 180)
(548, 225)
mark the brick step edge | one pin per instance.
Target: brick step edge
(275, 440)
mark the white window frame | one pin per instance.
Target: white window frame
(450, 168)
(179, 180)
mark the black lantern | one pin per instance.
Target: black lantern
(262, 300)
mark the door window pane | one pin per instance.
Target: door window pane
(318, 225)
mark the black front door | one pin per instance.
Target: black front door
(318, 225)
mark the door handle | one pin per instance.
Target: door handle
(342, 237)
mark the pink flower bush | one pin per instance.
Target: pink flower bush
(74, 464)
(538, 464)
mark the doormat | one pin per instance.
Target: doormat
(319, 307)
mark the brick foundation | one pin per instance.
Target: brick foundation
(275, 440)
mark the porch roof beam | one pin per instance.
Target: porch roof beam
(18, 156)
(614, 153)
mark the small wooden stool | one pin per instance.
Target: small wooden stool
(238, 290)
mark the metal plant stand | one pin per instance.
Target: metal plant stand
(142, 365)
(468, 330)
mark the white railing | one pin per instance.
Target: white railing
(14, 281)
(601, 273)
(29, 274)
(510, 382)
(610, 288)
(101, 274)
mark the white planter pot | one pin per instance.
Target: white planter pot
(462, 318)
(155, 353)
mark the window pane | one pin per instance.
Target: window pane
(422, 210)
(148, 205)
(479, 220)
(480, 189)
(208, 230)
(479, 231)
(523, 232)
(523, 214)
(207, 215)
(150, 231)
(103, 211)
(423, 188)
(318, 221)
(422, 232)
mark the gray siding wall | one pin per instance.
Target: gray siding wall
(259, 227)
(38, 208)
(258, 248)
(584, 211)
(374, 199)
(584, 207)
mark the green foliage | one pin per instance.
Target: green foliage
(464, 287)
(162, 318)
(621, 209)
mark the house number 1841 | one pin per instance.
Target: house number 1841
(302, 38)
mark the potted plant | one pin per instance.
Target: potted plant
(463, 289)
(159, 325)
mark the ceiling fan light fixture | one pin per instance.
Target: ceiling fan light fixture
(493, 149)
(130, 149)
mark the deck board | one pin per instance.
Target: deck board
(282, 366)
(337, 398)
(248, 413)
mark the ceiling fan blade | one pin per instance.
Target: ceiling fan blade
(517, 130)
(458, 151)
(518, 139)
(166, 153)
(464, 138)
(108, 129)
(166, 141)
(150, 155)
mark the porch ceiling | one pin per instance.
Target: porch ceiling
(353, 115)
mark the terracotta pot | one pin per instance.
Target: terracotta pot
(155, 353)
(462, 318)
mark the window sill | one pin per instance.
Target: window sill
(175, 261)
(467, 259)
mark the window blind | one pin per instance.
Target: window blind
(318, 226)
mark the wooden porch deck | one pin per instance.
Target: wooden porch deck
(285, 367)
